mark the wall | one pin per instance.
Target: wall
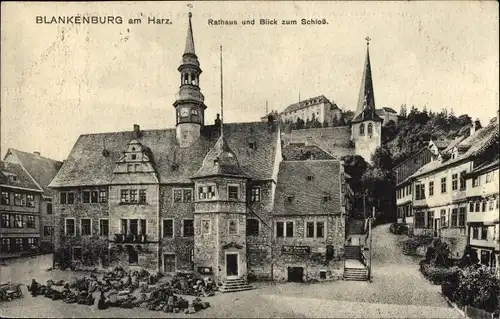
(366, 144)
(316, 260)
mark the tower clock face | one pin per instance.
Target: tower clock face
(184, 111)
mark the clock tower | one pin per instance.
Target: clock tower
(189, 104)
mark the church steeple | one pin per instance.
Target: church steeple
(189, 104)
(366, 96)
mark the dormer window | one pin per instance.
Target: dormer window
(310, 177)
(216, 161)
(251, 145)
(326, 198)
(133, 156)
(289, 198)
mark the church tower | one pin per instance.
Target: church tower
(366, 127)
(189, 104)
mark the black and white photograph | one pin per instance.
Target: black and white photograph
(250, 159)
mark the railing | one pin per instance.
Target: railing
(130, 238)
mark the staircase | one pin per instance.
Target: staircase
(352, 252)
(234, 284)
(356, 274)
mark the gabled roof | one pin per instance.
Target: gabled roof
(220, 161)
(87, 165)
(474, 144)
(307, 103)
(296, 194)
(367, 115)
(41, 169)
(14, 175)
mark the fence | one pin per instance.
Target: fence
(476, 313)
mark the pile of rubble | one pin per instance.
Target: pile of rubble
(119, 288)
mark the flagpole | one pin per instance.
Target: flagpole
(221, 97)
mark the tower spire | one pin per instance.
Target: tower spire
(221, 97)
(366, 96)
(189, 39)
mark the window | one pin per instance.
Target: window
(232, 192)
(315, 229)
(18, 221)
(86, 197)
(143, 229)
(478, 206)
(187, 228)
(134, 226)
(461, 217)
(137, 167)
(70, 198)
(420, 191)
(206, 226)
(454, 182)
(454, 217)
(77, 253)
(475, 181)
(443, 185)
(419, 220)
(69, 227)
(142, 196)
(124, 226)
(475, 232)
(47, 230)
(5, 221)
(94, 197)
(30, 200)
(133, 156)
(49, 208)
(5, 199)
(289, 229)
(5, 245)
(310, 229)
(124, 196)
(86, 226)
(103, 227)
(463, 184)
(168, 228)
(103, 196)
(431, 188)
(443, 218)
(483, 207)
(488, 177)
(30, 221)
(484, 233)
(177, 196)
(187, 195)
(233, 227)
(430, 219)
(370, 129)
(255, 197)
(252, 227)
(491, 205)
(182, 195)
(133, 195)
(206, 192)
(471, 207)
(362, 129)
(19, 199)
(130, 168)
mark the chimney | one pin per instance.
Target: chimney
(476, 126)
(217, 120)
(36, 153)
(137, 131)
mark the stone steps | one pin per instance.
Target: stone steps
(234, 285)
(355, 274)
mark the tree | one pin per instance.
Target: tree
(299, 124)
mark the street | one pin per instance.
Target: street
(398, 290)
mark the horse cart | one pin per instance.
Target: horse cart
(9, 291)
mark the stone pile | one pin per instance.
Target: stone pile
(189, 284)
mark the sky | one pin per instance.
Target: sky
(60, 81)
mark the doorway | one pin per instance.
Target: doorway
(133, 257)
(169, 263)
(436, 227)
(295, 274)
(231, 264)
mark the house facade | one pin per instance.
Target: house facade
(20, 199)
(318, 108)
(42, 170)
(197, 197)
(441, 202)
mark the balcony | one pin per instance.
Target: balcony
(130, 238)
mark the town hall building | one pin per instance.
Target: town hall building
(214, 198)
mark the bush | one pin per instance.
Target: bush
(437, 274)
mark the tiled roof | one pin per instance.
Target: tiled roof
(42, 169)
(367, 115)
(489, 166)
(300, 151)
(296, 194)
(334, 140)
(87, 165)
(389, 110)
(307, 103)
(14, 175)
(475, 144)
(220, 161)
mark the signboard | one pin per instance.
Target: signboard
(296, 250)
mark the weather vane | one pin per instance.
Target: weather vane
(368, 40)
(190, 6)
